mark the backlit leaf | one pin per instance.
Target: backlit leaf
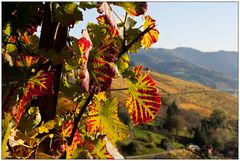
(101, 63)
(97, 148)
(130, 36)
(152, 36)
(133, 8)
(26, 60)
(123, 62)
(105, 9)
(38, 85)
(66, 130)
(100, 151)
(143, 101)
(67, 13)
(87, 5)
(103, 118)
(85, 47)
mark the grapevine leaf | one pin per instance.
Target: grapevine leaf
(143, 101)
(98, 149)
(133, 8)
(26, 60)
(7, 30)
(66, 130)
(130, 36)
(102, 73)
(123, 63)
(38, 85)
(105, 9)
(88, 5)
(68, 13)
(58, 58)
(101, 63)
(103, 118)
(30, 119)
(45, 127)
(152, 36)
(85, 47)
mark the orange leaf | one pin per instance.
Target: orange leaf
(143, 101)
(26, 60)
(38, 85)
(152, 36)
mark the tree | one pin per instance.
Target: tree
(172, 110)
(193, 119)
(37, 72)
(218, 119)
(177, 123)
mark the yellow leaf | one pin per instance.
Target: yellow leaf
(151, 36)
(103, 118)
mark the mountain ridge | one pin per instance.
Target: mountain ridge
(215, 69)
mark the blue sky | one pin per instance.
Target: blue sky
(207, 26)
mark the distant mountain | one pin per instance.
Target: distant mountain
(214, 69)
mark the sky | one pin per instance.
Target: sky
(206, 26)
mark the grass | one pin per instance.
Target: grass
(147, 142)
(145, 135)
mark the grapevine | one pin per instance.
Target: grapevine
(38, 72)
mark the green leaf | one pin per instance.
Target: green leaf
(7, 30)
(131, 34)
(88, 5)
(76, 50)
(58, 58)
(143, 101)
(44, 128)
(6, 130)
(96, 32)
(100, 151)
(30, 119)
(103, 118)
(130, 23)
(68, 13)
(123, 63)
(133, 8)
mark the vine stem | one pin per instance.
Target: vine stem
(77, 119)
(118, 89)
(125, 49)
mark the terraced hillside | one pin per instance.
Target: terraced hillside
(191, 95)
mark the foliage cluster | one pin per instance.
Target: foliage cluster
(37, 72)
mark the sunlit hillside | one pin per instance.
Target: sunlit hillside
(191, 95)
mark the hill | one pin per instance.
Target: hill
(193, 96)
(214, 69)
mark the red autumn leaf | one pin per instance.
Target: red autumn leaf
(85, 47)
(38, 85)
(103, 72)
(151, 36)
(143, 101)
